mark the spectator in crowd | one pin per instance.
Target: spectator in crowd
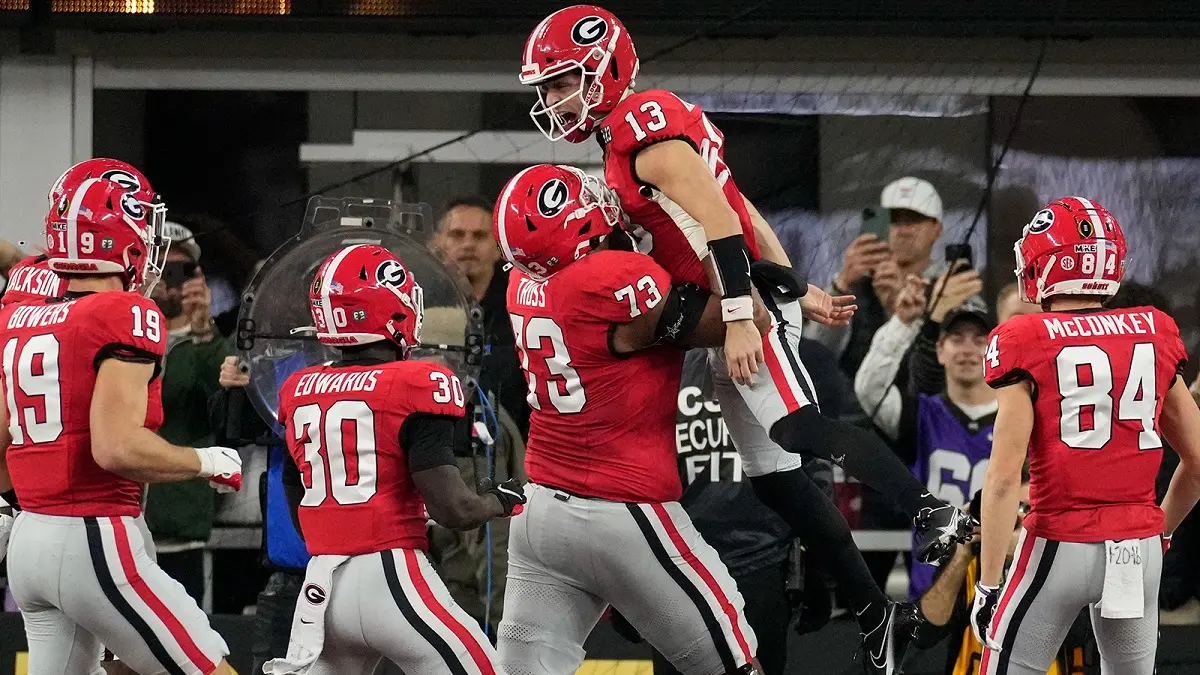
(874, 271)
(229, 265)
(924, 370)
(946, 433)
(463, 242)
(946, 606)
(180, 515)
(1009, 304)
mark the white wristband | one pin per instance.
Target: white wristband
(737, 309)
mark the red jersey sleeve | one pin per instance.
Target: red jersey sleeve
(652, 117)
(1175, 353)
(129, 327)
(428, 387)
(626, 286)
(1006, 359)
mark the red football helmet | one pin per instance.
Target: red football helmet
(99, 228)
(363, 294)
(1074, 246)
(118, 172)
(551, 215)
(594, 42)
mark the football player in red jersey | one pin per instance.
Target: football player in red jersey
(32, 278)
(1089, 393)
(372, 435)
(599, 332)
(79, 441)
(664, 160)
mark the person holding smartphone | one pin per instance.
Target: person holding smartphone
(180, 515)
(897, 240)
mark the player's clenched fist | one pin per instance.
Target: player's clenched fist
(510, 494)
(222, 467)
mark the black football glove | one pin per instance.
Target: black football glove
(777, 280)
(510, 494)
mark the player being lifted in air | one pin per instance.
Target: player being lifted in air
(1089, 393)
(664, 160)
(372, 437)
(599, 333)
(82, 403)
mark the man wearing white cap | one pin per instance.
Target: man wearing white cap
(180, 515)
(916, 213)
(874, 271)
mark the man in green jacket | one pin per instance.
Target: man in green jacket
(180, 515)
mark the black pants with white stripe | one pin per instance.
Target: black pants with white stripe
(571, 557)
(1048, 583)
(84, 582)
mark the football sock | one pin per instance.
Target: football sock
(826, 536)
(859, 452)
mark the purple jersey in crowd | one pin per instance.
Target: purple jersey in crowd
(952, 454)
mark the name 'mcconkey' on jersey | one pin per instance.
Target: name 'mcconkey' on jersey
(1099, 378)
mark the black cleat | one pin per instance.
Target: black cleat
(941, 530)
(884, 647)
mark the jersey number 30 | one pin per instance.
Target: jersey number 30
(346, 435)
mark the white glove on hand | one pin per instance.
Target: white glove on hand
(6, 523)
(986, 598)
(222, 467)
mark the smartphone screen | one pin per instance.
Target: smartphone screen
(876, 221)
(960, 252)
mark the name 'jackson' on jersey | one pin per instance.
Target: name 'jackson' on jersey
(665, 231)
(601, 425)
(1099, 380)
(52, 350)
(343, 425)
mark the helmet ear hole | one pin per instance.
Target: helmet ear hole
(587, 227)
(529, 224)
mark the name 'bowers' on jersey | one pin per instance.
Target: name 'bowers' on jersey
(1130, 323)
(37, 316)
